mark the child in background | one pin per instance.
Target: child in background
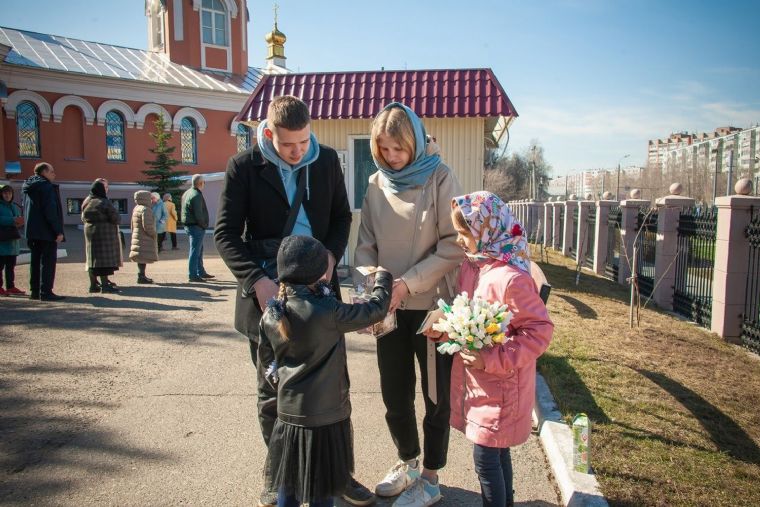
(492, 390)
(302, 353)
(10, 221)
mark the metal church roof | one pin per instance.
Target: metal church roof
(64, 54)
(454, 93)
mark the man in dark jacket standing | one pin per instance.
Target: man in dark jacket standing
(44, 230)
(288, 168)
(195, 217)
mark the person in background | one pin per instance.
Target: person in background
(101, 237)
(160, 216)
(195, 218)
(43, 221)
(144, 249)
(171, 221)
(10, 221)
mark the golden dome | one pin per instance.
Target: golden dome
(275, 36)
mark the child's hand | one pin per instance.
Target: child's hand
(472, 359)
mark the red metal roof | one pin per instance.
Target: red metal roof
(343, 95)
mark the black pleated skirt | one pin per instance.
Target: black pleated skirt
(310, 463)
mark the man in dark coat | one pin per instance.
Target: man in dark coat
(44, 230)
(260, 186)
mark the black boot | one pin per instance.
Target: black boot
(94, 285)
(144, 279)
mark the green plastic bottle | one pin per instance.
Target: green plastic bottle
(582, 444)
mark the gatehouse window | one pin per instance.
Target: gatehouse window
(28, 130)
(243, 137)
(115, 137)
(214, 23)
(188, 134)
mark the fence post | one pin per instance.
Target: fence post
(731, 267)
(602, 235)
(583, 230)
(629, 210)
(556, 224)
(548, 224)
(666, 251)
(570, 206)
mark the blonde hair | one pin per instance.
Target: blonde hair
(283, 325)
(395, 124)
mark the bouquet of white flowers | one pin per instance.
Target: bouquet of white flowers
(471, 324)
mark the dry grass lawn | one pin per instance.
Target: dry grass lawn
(675, 409)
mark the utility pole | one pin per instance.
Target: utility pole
(617, 192)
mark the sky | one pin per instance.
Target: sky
(591, 80)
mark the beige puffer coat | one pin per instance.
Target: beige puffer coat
(411, 235)
(144, 249)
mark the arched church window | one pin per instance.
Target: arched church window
(243, 137)
(28, 130)
(188, 135)
(115, 145)
(214, 22)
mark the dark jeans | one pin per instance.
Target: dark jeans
(396, 353)
(291, 501)
(160, 237)
(173, 236)
(494, 469)
(8, 265)
(44, 257)
(267, 402)
(195, 258)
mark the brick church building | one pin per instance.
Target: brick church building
(88, 107)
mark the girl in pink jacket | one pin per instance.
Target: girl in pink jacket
(492, 390)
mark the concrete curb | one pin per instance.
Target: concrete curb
(576, 489)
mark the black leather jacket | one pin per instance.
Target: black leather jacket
(311, 365)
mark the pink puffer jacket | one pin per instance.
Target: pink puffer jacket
(492, 407)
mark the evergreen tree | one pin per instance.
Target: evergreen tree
(161, 176)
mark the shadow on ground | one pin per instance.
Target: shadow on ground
(44, 430)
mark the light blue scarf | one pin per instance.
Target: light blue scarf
(288, 173)
(418, 172)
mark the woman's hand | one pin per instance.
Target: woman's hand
(472, 359)
(435, 336)
(400, 291)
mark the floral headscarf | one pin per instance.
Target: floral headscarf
(498, 234)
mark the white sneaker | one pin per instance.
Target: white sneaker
(401, 476)
(419, 494)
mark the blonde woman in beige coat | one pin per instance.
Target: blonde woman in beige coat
(171, 219)
(144, 249)
(406, 228)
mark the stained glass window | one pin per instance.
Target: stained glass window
(115, 136)
(28, 129)
(188, 134)
(243, 137)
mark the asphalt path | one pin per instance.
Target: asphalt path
(147, 397)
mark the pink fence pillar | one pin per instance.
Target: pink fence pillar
(567, 240)
(629, 212)
(731, 264)
(666, 251)
(601, 231)
(548, 223)
(557, 224)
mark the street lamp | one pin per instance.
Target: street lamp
(617, 192)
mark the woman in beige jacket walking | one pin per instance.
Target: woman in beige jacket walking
(144, 249)
(406, 228)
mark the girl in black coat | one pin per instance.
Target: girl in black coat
(302, 354)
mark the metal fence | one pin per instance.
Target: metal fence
(588, 258)
(646, 244)
(695, 258)
(751, 324)
(612, 262)
(574, 235)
